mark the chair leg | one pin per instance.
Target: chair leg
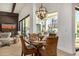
(22, 53)
(32, 54)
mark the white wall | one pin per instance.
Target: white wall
(65, 28)
(65, 23)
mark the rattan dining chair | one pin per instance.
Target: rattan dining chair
(50, 49)
(25, 49)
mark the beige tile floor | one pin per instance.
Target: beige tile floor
(12, 50)
(15, 50)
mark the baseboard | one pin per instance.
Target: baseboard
(69, 54)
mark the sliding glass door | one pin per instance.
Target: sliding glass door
(77, 29)
(25, 26)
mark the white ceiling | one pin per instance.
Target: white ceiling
(18, 7)
(7, 7)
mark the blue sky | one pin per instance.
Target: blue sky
(77, 15)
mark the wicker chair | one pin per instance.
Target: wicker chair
(25, 50)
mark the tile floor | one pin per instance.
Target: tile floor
(15, 50)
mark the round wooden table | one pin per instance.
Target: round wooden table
(38, 45)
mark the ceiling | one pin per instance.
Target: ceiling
(7, 7)
(18, 7)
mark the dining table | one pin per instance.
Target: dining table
(41, 37)
(38, 45)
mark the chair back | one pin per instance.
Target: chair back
(25, 50)
(51, 46)
(33, 37)
(23, 43)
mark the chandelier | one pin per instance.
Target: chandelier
(41, 13)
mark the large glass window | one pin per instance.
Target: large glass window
(49, 23)
(77, 22)
(25, 26)
(77, 29)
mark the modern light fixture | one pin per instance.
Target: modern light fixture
(42, 12)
